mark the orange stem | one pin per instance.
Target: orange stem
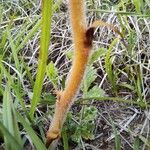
(82, 45)
(82, 39)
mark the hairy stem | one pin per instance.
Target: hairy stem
(82, 39)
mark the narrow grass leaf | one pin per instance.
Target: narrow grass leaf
(44, 45)
(116, 99)
(35, 139)
(13, 49)
(10, 139)
(28, 73)
(108, 64)
(57, 5)
(137, 5)
(33, 30)
(117, 137)
(11, 83)
(9, 118)
(3, 42)
(128, 86)
(29, 35)
(120, 12)
(29, 29)
(65, 139)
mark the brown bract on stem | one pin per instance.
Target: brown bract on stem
(82, 40)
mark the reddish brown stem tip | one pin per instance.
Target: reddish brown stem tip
(89, 37)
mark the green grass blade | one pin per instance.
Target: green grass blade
(116, 99)
(11, 139)
(3, 42)
(35, 28)
(44, 45)
(65, 139)
(27, 72)
(11, 82)
(30, 34)
(139, 6)
(120, 13)
(108, 65)
(1, 77)
(35, 139)
(13, 48)
(9, 118)
(29, 28)
(117, 136)
(57, 5)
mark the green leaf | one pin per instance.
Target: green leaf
(96, 55)
(95, 92)
(26, 32)
(83, 129)
(52, 73)
(117, 99)
(57, 5)
(87, 125)
(28, 73)
(131, 40)
(87, 131)
(76, 135)
(48, 99)
(90, 76)
(89, 114)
